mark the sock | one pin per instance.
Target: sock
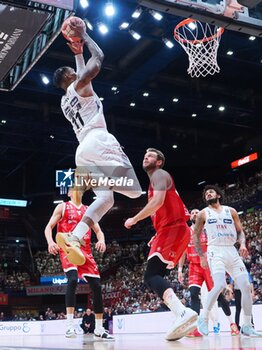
(246, 319)
(174, 303)
(99, 323)
(230, 319)
(70, 318)
(205, 313)
(80, 230)
(215, 323)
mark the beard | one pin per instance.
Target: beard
(212, 201)
(149, 167)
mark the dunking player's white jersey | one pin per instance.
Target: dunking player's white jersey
(220, 227)
(84, 113)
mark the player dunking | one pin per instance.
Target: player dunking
(66, 216)
(169, 216)
(198, 275)
(98, 152)
(223, 228)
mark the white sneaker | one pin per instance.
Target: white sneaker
(103, 334)
(249, 331)
(70, 332)
(183, 324)
(202, 325)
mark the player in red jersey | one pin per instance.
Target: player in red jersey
(169, 216)
(66, 216)
(198, 275)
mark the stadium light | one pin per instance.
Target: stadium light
(168, 43)
(156, 15)
(84, 4)
(123, 25)
(45, 79)
(137, 13)
(192, 25)
(135, 35)
(102, 28)
(110, 9)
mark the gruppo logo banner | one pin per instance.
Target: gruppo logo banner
(17, 29)
(9, 328)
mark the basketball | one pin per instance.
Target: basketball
(68, 30)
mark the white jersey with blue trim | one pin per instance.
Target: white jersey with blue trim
(220, 227)
(84, 113)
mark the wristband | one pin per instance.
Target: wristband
(180, 269)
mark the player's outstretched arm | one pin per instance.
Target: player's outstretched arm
(161, 182)
(77, 48)
(93, 65)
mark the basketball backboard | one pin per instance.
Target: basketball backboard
(27, 29)
(243, 16)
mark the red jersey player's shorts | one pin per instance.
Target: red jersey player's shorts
(89, 269)
(197, 275)
(170, 243)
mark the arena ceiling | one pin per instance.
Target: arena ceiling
(36, 139)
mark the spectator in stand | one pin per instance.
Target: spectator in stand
(107, 317)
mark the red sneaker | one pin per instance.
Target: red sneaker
(194, 334)
(234, 329)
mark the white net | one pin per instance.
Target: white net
(201, 42)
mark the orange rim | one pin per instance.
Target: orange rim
(186, 21)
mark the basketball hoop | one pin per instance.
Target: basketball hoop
(201, 42)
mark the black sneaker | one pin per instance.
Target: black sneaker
(103, 334)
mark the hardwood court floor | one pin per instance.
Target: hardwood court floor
(129, 342)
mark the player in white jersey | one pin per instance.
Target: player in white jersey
(99, 155)
(223, 229)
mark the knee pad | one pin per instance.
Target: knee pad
(95, 285)
(70, 297)
(72, 278)
(104, 201)
(108, 199)
(194, 292)
(219, 287)
(246, 287)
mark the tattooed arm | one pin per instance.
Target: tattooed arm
(198, 228)
(200, 221)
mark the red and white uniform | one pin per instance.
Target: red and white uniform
(172, 233)
(72, 214)
(197, 275)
